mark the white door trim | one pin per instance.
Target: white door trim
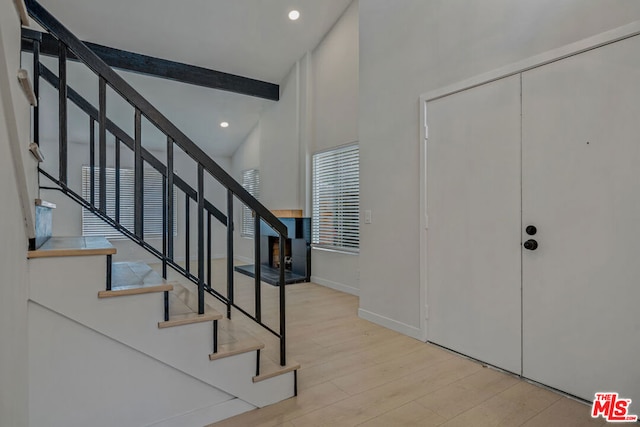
(572, 49)
(424, 223)
(599, 40)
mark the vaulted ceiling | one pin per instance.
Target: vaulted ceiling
(251, 38)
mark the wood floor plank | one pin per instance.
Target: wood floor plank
(467, 392)
(565, 413)
(356, 373)
(512, 407)
(411, 414)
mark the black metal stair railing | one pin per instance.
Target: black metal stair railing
(171, 182)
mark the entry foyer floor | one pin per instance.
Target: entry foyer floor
(355, 373)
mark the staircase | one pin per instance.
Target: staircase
(131, 328)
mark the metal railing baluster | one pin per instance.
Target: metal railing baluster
(62, 113)
(164, 228)
(187, 234)
(109, 271)
(138, 178)
(117, 207)
(36, 91)
(102, 144)
(209, 254)
(229, 252)
(170, 196)
(215, 336)
(200, 239)
(283, 346)
(256, 252)
(92, 161)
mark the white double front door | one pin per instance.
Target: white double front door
(558, 148)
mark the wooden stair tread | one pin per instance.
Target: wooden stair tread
(73, 246)
(270, 369)
(45, 204)
(189, 318)
(134, 278)
(236, 347)
(145, 289)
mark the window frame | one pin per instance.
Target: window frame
(342, 219)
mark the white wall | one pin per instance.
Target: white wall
(279, 149)
(335, 84)
(13, 241)
(318, 110)
(112, 384)
(410, 49)
(335, 122)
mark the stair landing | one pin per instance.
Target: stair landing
(73, 246)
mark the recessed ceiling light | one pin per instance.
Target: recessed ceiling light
(294, 14)
(224, 124)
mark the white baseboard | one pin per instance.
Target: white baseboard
(335, 285)
(394, 325)
(208, 415)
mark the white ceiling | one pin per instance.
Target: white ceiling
(252, 38)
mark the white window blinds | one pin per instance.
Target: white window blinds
(251, 183)
(336, 199)
(153, 206)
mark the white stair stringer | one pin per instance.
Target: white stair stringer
(69, 286)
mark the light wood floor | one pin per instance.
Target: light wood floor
(355, 373)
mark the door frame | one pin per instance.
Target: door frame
(594, 42)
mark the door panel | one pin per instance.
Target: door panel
(473, 238)
(581, 189)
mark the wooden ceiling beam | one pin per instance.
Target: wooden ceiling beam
(158, 67)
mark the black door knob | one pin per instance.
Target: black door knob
(531, 245)
(531, 230)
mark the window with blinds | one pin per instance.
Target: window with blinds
(153, 206)
(336, 199)
(251, 183)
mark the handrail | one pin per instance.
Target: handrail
(93, 61)
(67, 42)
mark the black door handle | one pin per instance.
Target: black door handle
(531, 245)
(531, 230)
